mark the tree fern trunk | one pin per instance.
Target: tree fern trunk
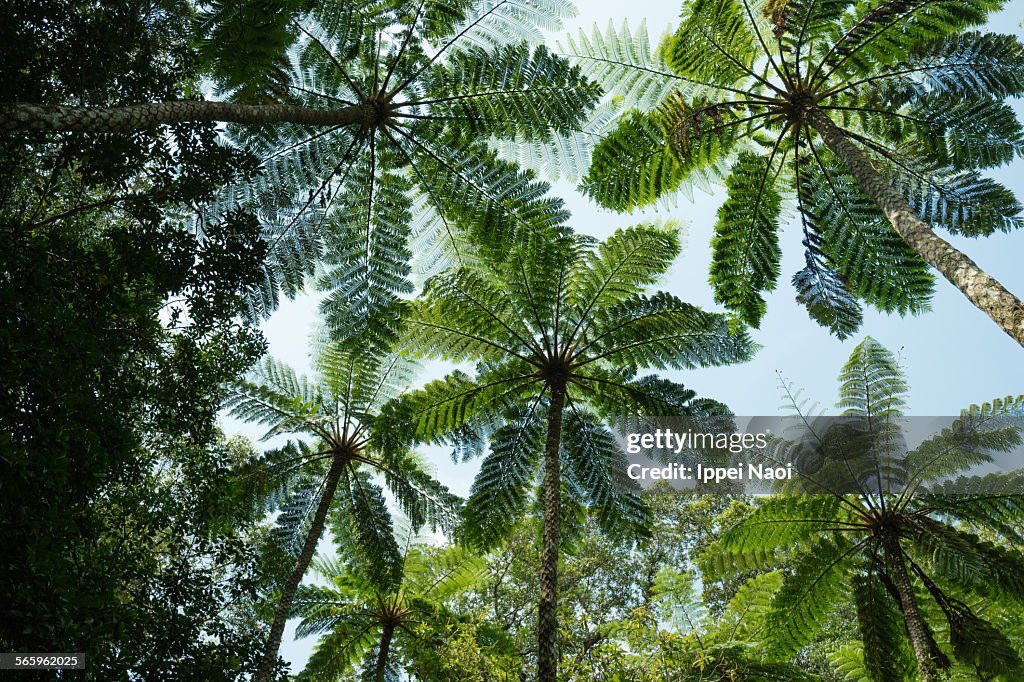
(121, 119)
(980, 288)
(547, 616)
(302, 563)
(382, 654)
(920, 639)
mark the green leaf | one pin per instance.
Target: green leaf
(885, 648)
(511, 92)
(745, 258)
(714, 42)
(633, 165)
(499, 495)
(663, 331)
(819, 580)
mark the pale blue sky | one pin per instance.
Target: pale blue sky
(953, 355)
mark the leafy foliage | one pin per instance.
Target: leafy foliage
(363, 620)
(565, 301)
(913, 85)
(558, 330)
(432, 81)
(897, 548)
(331, 479)
(121, 320)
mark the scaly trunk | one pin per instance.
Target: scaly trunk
(305, 557)
(382, 654)
(980, 288)
(16, 116)
(920, 639)
(547, 616)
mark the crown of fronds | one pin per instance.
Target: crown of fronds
(335, 416)
(559, 312)
(350, 612)
(956, 533)
(433, 79)
(913, 84)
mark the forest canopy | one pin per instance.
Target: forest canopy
(485, 219)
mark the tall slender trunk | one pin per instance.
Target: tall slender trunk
(382, 654)
(980, 288)
(547, 616)
(301, 564)
(920, 640)
(18, 116)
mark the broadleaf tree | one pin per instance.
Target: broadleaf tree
(559, 331)
(874, 118)
(120, 325)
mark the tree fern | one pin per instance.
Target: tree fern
(363, 617)
(356, 110)
(558, 329)
(866, 527)
(340, 411)
(864, 106)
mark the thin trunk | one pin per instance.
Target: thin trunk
(17, 116)
(305, 557)
(920, 639)
(382, 654)
(980, 288)
(547, 616)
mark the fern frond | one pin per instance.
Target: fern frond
(461, 317)
(962, 202)
(675, 595)
(818, 582)
(861, 245)
(663, 331)
(714, 44)
(623, 265)
(969, 562)
(367, 521)
(621, 60)
(499, 495)
(633, 165)
(783, 524)
(744, 617)
(441, 408)
(490, 23)
(336, 652)
(366, 258)
(511, 92)
(745, 248)
(967, 133)
(885, 652)
(597, 467)
(881, 33)
(292, 525)
(491, 199)
(872, 382)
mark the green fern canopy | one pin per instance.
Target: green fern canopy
(559, 313)
(347, 206)
(922, 544)
(915, 85)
